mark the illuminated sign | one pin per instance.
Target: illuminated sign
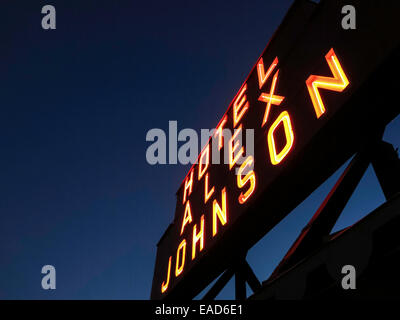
(305, 99)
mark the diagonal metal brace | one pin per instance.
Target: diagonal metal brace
(319, 227)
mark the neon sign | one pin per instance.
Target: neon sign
(296, 101)
(241, 105)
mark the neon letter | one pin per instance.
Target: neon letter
(237, 105)
(207, 194)
(197, 237)
(262, 76)
(188, 185)
(206, 154)
(187, 217)
(338, 83)
(180, 264)
(270, 98)
(164, 285)
(285, 119)
(249, 177)
(232, 148)
(218, 132)
(221, 213)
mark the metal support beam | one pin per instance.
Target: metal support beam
(319, 227)
(240, 284)
(386, 164)
(219, 284)
(243, 273)
(251, 278)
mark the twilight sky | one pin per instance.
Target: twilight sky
(75, 106)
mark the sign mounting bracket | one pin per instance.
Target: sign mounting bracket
(386, 164)
(243, 274)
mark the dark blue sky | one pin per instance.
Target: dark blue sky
(75, 106)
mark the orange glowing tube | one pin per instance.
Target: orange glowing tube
(187, 217)
(180, 263)
(284, 119)
(270, 98)
(240, 106)
(233, 148)
(262, 76)
(204, 161)
(188, 185)
(249, 177)
(338, 83)
(218, 132)
(164, 285)
(198, 237)
(207, 194)
(220, 213)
